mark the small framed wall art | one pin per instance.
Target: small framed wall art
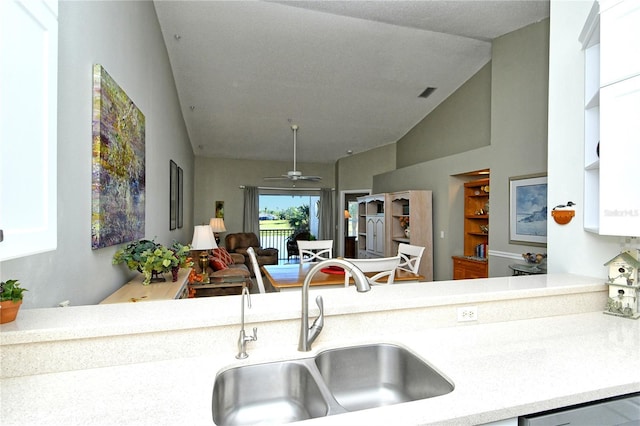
(220, 209)
(528, 210)
(173, 195)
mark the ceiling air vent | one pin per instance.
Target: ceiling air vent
(427, 92)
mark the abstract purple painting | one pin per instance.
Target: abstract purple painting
(118, 164)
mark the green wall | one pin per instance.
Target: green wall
(460, 124)
(219, 179)
(517, 108)
(357, 171)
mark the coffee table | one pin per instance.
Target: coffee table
(220, 286)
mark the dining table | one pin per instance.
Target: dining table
(291, 276)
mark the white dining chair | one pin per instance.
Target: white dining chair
(256, 269)
(385, 266)
(315, 251)
(410, 257)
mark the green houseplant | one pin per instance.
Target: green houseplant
(153, 259)
(182, 253)
(10, 300)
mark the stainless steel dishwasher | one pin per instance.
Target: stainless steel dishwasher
(619, 411)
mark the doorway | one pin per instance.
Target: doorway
(348, 225)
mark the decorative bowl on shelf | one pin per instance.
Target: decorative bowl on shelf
(562, 217)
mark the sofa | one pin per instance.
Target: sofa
(239, 242)
(223, 264)
(223, 268)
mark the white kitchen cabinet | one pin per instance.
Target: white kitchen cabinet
(610, 40)
(619, 154)
(28, 129)
(414, 207)
(621, 37)
(371, 220)
(375, 236)
(590, 39)
(380, 230)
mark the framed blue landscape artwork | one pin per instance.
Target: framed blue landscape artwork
(528, 210)
(118, 164)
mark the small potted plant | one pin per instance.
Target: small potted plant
(10, 300)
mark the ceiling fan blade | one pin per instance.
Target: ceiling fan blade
(283, 177)
(310, 178)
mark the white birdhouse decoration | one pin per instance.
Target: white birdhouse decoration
(624, 290)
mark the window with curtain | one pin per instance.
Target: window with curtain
(291, 210)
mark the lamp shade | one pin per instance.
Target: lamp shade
(217, 224)
(347, 215)
(203, 238)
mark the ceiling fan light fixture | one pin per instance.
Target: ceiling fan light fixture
(295, 174)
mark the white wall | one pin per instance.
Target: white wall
(570, 248)
(125, 38)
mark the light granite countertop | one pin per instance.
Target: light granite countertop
(79, 322)
(500, 371)
(530, 352)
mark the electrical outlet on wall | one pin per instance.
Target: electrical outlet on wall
(468, 313)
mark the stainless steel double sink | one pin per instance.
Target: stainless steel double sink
(332, 382)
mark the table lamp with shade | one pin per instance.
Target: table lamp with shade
(203, 240)
(217, 226)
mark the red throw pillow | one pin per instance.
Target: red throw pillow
(225, 256)
(217, 261)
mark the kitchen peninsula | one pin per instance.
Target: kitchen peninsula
(540, 342)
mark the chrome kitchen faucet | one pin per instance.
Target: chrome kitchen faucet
(243, 338)
(309, 334)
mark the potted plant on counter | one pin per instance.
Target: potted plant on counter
(10, 300)
(152, 259)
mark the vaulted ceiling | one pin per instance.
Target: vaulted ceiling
(348, 73)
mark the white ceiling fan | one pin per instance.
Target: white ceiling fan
(295, 174)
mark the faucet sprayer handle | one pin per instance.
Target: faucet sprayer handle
(320, 304)
(317, 325)
(255, 334)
